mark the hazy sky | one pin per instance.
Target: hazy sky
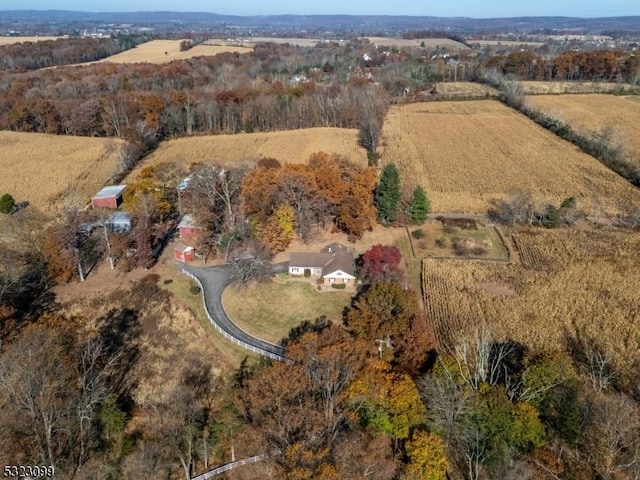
(441, 8)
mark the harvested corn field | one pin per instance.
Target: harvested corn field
(49, 170)
(597, 114)
(294, 146)
(545, 88)
(572, 286)
(469, 154)
(164, 51)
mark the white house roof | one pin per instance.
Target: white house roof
(110, 191)
(338, 274)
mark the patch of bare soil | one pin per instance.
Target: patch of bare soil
(497, 289)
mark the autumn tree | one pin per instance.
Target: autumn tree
(277, 232)
(381, 263)
(381, 310)
(419, 206)
(427, 457)
(388, 194)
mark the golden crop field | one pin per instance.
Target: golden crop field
(506, 43)
(570, 283)
(545, 88)
(594, 113)
(293, 146)
(164, 51)
(428, 42)
(468, 154)
(251, 41)
(12, 40)
(466, 89)
(49, 170)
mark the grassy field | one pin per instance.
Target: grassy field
(466, 89)
(571, 284)
(12, 40)
(506, 43)
(545, 88)
(438, 241)
(163, 51)
(596, 113)
(49, 170)
(428, 42)
(468, 154)
(250, 41)
(270, 310)
(294, 146)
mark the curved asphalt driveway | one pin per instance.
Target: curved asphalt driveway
(214, 280)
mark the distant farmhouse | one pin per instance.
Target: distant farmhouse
(334, 264)
(108, 197)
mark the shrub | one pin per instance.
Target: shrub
(339, 286)
(194, 290)
(7, 204)
(441, 242)
(168, 281)
(418, 234)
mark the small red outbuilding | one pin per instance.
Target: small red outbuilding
(108, 197)
(184, 253)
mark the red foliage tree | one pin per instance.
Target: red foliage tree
(382, 264)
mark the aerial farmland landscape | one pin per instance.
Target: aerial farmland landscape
(364, 241)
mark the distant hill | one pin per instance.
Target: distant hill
(381, 23)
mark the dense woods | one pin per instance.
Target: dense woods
(63, 51)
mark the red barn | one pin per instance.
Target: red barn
(188, 229)
(183, 253)
(108, 197)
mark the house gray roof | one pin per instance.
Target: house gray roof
(110, 191)
(340, 258)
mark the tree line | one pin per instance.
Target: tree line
(23, 56)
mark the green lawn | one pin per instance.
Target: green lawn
(270, 310)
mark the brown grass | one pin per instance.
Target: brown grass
(12, 40)
(164, 51)
(270, 310)
(251, 41)
(506, 43)
(467, 154)
(595, 113)
(466, 89)
(293, 146)
(579, 283)
(429, 42)
(545, 88)
(49, 170)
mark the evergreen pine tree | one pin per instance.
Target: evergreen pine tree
(420, 206)
(388, 194)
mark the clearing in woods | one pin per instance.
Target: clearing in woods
(468, 154)
(293, 146)
(596, 113)
(50, 170)
(571, 285)
(164, 51)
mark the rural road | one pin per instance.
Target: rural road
(214, 280)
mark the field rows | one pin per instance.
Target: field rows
(294, 146)
(49, 171)
(470, 154)
(590, 293)
(615, 115)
